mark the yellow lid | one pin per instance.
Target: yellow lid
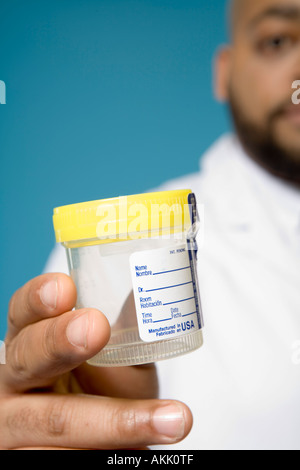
(122, 218)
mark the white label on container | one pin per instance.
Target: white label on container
(166, 293)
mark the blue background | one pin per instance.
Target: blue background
(104, 98)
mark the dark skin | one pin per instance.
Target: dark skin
(255, 74)
(50, 398)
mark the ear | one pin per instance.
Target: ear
(222, 72)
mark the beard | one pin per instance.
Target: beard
(262, 145)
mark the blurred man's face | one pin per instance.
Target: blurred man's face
(264, 63)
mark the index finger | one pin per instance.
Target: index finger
(45, 296)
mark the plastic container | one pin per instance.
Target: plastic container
(134, 259)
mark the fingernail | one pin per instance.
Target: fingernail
(77, 331)
(169, 421)
(48, 294)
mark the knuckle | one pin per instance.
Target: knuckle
(21, 354)
(58, 418)
(48, 422)
(22, 422)
(25, 420)
(16, 357)
(125, 423)
(49, 342)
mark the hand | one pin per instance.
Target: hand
(50, 398)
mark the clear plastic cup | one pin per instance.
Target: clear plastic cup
(134, 258)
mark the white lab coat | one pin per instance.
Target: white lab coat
(243, 385)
